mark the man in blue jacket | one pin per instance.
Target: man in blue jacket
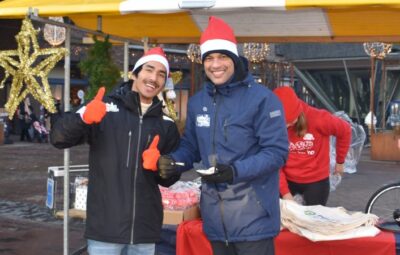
(237, 128)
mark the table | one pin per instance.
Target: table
(192, 241)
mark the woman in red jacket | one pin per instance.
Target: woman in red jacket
(306, 171)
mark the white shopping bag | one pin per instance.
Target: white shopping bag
(320, 223)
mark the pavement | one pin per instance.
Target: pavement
(27, 227)
(355, 189)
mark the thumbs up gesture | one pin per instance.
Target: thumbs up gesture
(96, 109)
(151, 155)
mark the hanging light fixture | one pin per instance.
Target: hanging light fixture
(193, 53)
(256, 52)
(377, 50)
(54, 35)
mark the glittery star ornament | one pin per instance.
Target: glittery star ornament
(29, 66)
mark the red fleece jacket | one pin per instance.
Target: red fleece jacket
(308, 159)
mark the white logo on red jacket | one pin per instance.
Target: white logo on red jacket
(304, 146)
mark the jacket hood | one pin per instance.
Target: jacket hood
(131, 100)
(291, 103)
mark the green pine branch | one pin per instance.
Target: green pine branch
(99, 68)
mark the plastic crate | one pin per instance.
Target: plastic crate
(55, 185)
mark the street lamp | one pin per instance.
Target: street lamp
(256, 52)
(193, 53)
(376, 50)
(54, 35)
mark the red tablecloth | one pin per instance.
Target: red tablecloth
(190, 240)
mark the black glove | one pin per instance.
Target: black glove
(223, 173)
(166, 167)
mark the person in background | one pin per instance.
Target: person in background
(236, 128)
(124, 209)
(307, 169)
(24, 120)
(40, 133)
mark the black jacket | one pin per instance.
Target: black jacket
(124, 202)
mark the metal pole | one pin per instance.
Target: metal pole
(383, 120)
(352, 92)
(145, 41)
(126, 60)
(192, 78)
(67, 67)
(99, 23)
(372, 91)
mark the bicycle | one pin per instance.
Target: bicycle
(384, 203)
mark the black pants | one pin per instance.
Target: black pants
(24, 131)
(262, 247)
(314, 193)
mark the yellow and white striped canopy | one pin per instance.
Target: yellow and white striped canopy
(164, 21)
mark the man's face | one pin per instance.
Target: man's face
(219, 68)
(150, 81)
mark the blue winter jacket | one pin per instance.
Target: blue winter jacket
(241, 124)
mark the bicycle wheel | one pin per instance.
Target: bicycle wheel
(384, 202)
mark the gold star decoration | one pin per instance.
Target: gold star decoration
(176, 76)
(30, 66)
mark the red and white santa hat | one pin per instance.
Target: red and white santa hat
(154, 54)
(218, 36)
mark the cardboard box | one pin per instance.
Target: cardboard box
(176, 217)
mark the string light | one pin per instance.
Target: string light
(256, 52)
(377, 50)
(177, 59)
(31, 72)
(53, 34)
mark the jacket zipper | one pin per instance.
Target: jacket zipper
(136, 169)
(214, 159)
(129, 149)
(226, 130)
(135, 175)
(221, 202)
(148, 141)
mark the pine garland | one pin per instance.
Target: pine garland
(99, 68)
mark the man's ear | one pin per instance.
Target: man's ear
(133, 76)
(133, 84)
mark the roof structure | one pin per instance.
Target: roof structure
(181, 21)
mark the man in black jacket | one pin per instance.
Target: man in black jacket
(124, 209)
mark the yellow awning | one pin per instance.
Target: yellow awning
(163, 21)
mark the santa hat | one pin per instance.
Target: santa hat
(154, 54)
(218, 36)
(291, 103)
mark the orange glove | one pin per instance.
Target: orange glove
(151, 155)
(96, 109)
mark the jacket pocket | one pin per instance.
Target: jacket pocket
(261, 201)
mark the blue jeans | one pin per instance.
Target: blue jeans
(103, 248)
